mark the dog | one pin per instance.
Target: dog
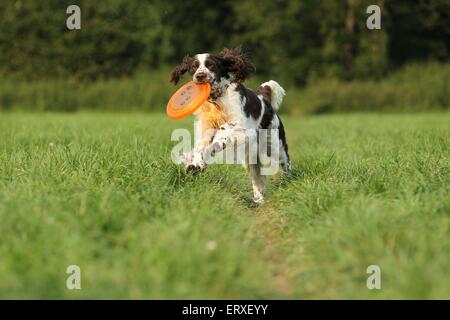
(233, 109)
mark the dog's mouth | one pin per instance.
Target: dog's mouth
(204, 77)
(203, 81)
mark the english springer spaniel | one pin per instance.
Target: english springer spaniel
(231, 110)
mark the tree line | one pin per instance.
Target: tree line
(296, 41)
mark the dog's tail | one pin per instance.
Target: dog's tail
(273, 92)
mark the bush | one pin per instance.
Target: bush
(144, 91)
(414, 88)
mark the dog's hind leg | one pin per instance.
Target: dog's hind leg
(258, 182)
(285, 162)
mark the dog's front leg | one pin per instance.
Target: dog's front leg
(223, 138)
(194, 160)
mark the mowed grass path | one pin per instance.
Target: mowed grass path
(100, 191)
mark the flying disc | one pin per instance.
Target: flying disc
(187, 99)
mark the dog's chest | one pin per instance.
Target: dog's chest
(225, 109)
(231, 103)
(212, 115)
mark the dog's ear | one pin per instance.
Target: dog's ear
(237, 62)
(178, 72)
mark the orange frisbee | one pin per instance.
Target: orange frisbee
(187, 99)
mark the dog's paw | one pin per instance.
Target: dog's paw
(213, 149)
(218, 146)
(196, 166)
(193, 168)
(259, 199)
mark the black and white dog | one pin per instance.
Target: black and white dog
(236, 109)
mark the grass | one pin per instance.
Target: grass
(100, 191)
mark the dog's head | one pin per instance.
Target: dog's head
(231, 64)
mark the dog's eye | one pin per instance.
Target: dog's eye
(194, 66)
(208, 64)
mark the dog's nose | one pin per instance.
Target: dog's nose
(201, 76)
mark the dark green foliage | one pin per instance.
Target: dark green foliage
(295, 41)
(418, 32)
(117, 37)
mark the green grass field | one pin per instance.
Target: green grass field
(100, 191)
